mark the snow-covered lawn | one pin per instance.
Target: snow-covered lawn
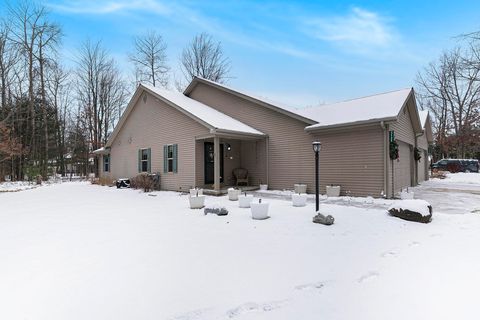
(15, 186)
(78, 251)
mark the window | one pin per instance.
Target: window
(106, 163)
(144, 160)
(170, 158)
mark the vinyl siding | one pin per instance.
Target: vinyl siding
(102, 173)
(403, 127)
(153, 124)
(404, 167)
(353, 159)
(290, 150)
(231, 160)
(422, 142)
(422, 166)
(253, 158)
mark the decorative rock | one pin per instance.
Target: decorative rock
(219, 211)
(412, 210)
(326, 220)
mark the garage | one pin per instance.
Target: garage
(403, 166)
(422, 166)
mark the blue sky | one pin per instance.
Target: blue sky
(300, 53)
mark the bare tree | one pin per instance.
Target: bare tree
(101, 92)
(8, 59)
(451, 91)
(204, 57)
(150, 59)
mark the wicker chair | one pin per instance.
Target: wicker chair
(241, 175)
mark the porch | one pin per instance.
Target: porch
(218, 155)
(208, 190)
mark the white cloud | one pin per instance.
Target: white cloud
(99, 7)
(358, 28)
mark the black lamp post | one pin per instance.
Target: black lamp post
(317, 145)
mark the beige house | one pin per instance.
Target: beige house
(199, 137)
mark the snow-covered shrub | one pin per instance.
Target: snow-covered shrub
(142, 181)
(105, 181)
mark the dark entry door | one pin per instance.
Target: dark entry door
(209, 163)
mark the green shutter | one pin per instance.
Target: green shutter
(175, 157)
(140, 160)
(149, 162)
(165, 161)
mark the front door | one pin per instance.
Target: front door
(209, 160)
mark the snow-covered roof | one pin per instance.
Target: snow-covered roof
(101, 150)
(280, 107)
(208, 116)
(384, 106)
(423, 117)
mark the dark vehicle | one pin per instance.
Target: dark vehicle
(456, 165)
(470, 165)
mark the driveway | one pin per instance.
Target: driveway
(458, 193)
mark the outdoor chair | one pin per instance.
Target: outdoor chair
(241, 175)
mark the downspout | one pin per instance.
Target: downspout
(267, 147)
(385, 160)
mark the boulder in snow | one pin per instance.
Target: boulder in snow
(326, 220)
(412, 210)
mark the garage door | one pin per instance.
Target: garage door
(403, 167)
(422, 165)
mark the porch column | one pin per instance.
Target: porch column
(216, 163)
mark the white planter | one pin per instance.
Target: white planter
(263, 187)
(233, 194)
(333, 191)
(406, 195)
(299, 200)
(197, 202)
(300, 188)
(193, 192)
(259, 210)
(244, 201)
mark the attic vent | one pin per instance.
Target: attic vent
(144, 98)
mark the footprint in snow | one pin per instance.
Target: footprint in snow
(368, 276)
(192, 315)
(414, 244)
(310, 286)
(389, 254)
(254, 307)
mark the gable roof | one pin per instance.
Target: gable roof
(375, 108)
(203, 114)
(426, 124)
(423, 117)
(267, 103)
